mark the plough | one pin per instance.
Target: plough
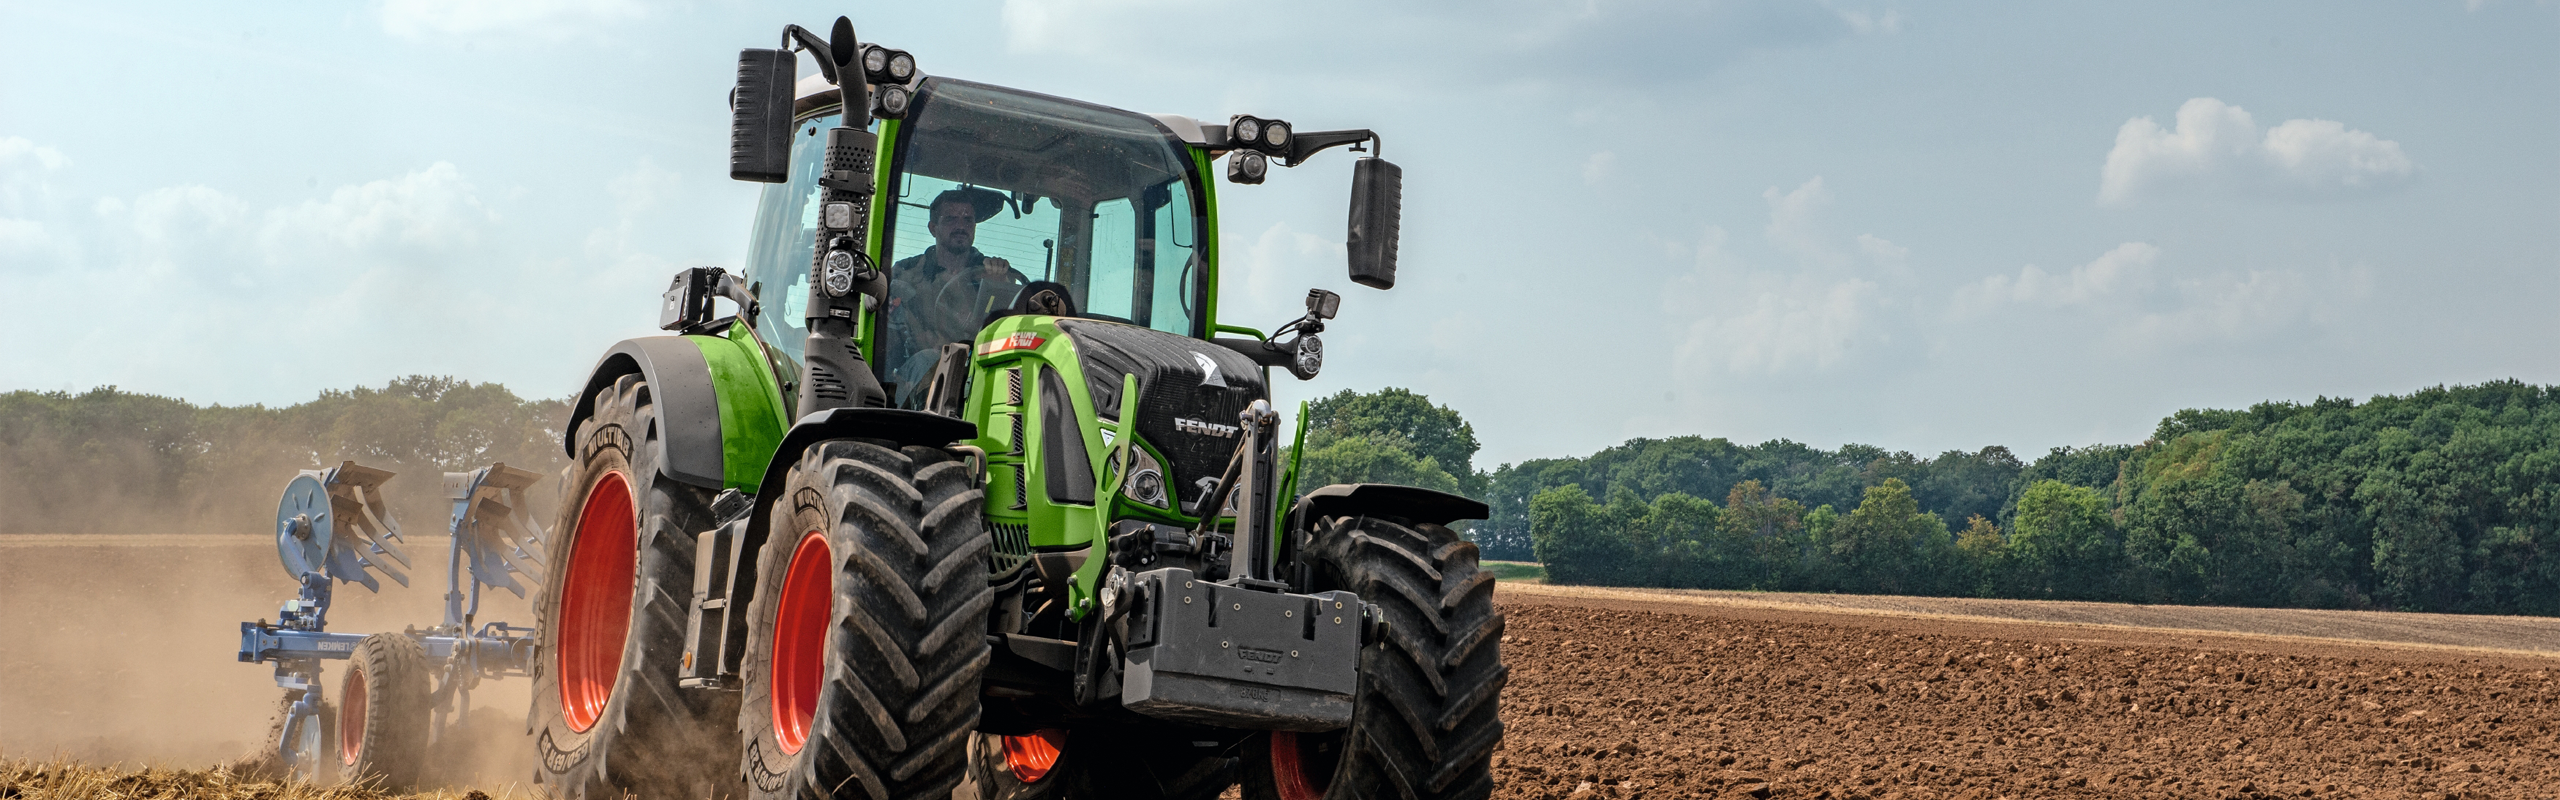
(401, 691)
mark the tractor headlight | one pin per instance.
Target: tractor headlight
(893, 100)
(1309, 359)
(902, 67)
(837, 272)
(1276, 134)
(1247, 166)
(875, 59)
(1146, 481)
(1244, 131)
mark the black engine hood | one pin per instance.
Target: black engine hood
(1179, 378)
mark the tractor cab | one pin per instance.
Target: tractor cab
(987, 192)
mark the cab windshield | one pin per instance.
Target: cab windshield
(1032, 188)
(996, 190)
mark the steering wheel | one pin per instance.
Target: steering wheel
(946, 314)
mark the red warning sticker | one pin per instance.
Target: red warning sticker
(1019, 341)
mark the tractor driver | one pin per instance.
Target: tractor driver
(945, 293)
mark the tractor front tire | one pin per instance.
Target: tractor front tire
(867, 634)
(1427, 717)
(608, 718)
(382, 714)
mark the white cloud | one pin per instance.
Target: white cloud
(1869, 22)
(1884, 253)
(15, 151)
(1779, 322)
(428, 211)
(1794, 226)
(1736, 317)
(2121, 271)
(537, 19)
(2130, 300)
(1599, 166)
(2216, 146)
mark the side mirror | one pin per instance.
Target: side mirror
(1377, 199)
(760, 116)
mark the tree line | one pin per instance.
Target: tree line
(112, 461)
(2445, 499)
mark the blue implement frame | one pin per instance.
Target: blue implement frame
(495, 543)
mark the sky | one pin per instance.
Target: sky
(1926, 227)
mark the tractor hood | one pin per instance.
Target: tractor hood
(1191, 393)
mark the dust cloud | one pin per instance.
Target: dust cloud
(122, 649)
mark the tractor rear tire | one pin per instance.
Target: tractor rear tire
(383, 711)
(867, 635)
(1427, 717)
(608, 718)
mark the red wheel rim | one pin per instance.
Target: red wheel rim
(1030, 757)
(351, 718)
(800, 640)
(595, 600)
(1289, 769)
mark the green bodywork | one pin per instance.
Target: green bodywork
(753, 414)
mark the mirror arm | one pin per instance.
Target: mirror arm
(1308, 143)
(794, 37)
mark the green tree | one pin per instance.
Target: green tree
(2063, 544)
(1399, 418)
(1887, 545)
(1576, 539)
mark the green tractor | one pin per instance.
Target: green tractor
(973, 494)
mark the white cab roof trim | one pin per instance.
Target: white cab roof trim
(1184, 128)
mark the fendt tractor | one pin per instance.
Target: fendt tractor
(974, 492)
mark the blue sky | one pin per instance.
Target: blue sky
(1922, 226)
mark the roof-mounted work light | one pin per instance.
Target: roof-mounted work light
(1270, 136)
(1247, 166)
(883, 65)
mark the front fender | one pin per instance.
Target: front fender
(718, 409)
(1412, 504)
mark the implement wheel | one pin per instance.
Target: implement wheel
(868, 630)
(1427, 717)
(381, 737)
(607, 715)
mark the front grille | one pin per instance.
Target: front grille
(1171, 385)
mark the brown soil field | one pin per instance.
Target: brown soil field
(119, 650)
(1620, 694)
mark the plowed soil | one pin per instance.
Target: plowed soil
(1615, 697)
(119, 649)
